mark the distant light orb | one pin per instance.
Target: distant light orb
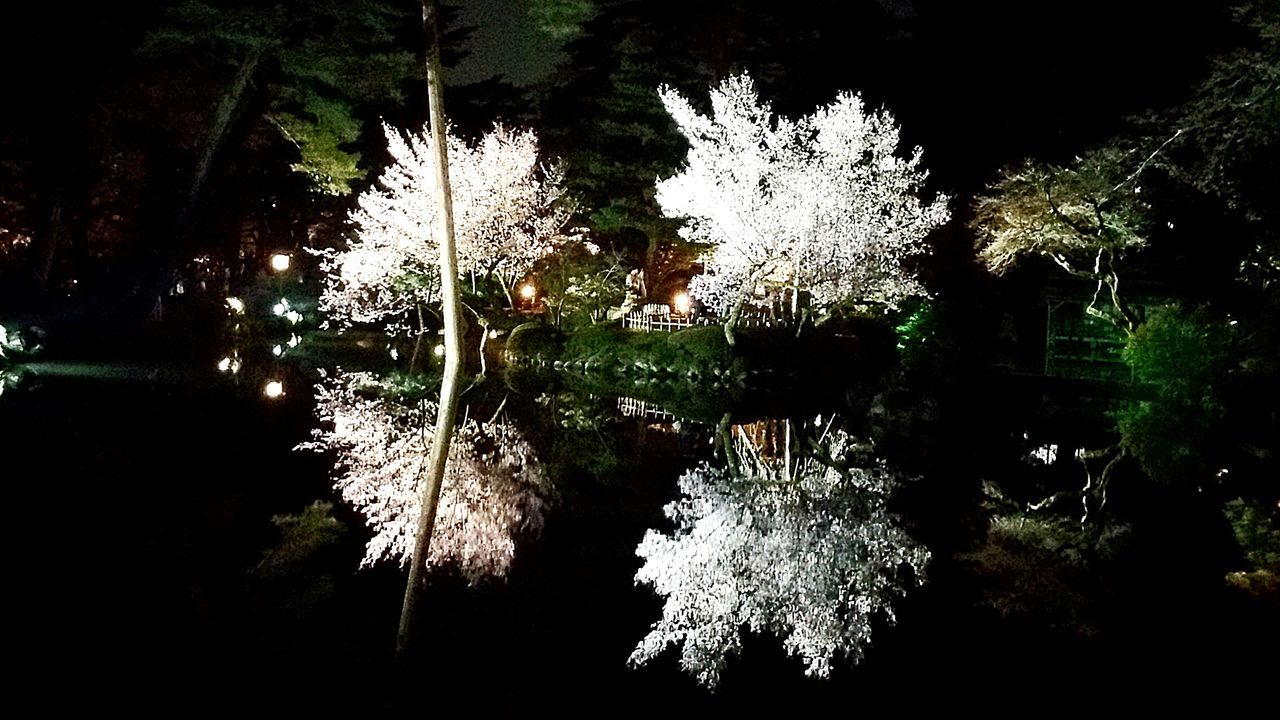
(493, 334)
(279, 308)
(277, 351)
(528, 291)
(224, 364)
(280, 262)
(293, 316)
(683, 303)
(236, 305)
(439, 350)
(274, 389)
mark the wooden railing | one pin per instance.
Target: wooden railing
(656, 317)
(632, 407)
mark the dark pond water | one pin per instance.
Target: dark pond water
(141, 506)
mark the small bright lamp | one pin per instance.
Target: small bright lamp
(274, 389)
(280, 262)
(682, 303)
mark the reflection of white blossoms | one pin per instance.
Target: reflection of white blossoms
(494, 488)
(810, 556)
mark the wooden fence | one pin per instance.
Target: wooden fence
(656, 317)
(632, 407)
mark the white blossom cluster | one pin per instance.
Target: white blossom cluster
(809, 556)
(507, 214)
(822, 203)
(494, 488)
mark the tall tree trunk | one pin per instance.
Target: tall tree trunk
(48, 242)
(223, 119)
(450, 385)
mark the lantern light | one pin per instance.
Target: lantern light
(280, 262)
(528, 291)
(682, 303)
(274, 389)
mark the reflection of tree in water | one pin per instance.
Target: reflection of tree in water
(805, 550)
(494, 489)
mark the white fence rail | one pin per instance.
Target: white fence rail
(656, 317)
(632, 407)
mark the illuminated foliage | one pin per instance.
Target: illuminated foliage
(508, 210)
(823, 203)
(315, 61)
(1185, 356)
(1085, 217)
(494, 488)
(809, 554)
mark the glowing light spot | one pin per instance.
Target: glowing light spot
(528, 291)
(277, 351)
(493, 334)
(293, 316)
(224, 364)
(236, 305)
(395, 355)
(294, 340)
(682, 303)
(273, 389)
(279, 308)
(439, 350)
(280, 262)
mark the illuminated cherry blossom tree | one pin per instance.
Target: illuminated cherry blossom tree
(809, 555)
(822, 204)
(494, 489)
(508, 211)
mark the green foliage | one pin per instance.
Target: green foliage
(302, 537)
(915, 324)
(1180, 351)
(319, 133)
(581, 285)
(318, 62)
(1182, 355)
(1257, 531)
(697, 349)
(560, 19)
(1068, 213)
(535, 341)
